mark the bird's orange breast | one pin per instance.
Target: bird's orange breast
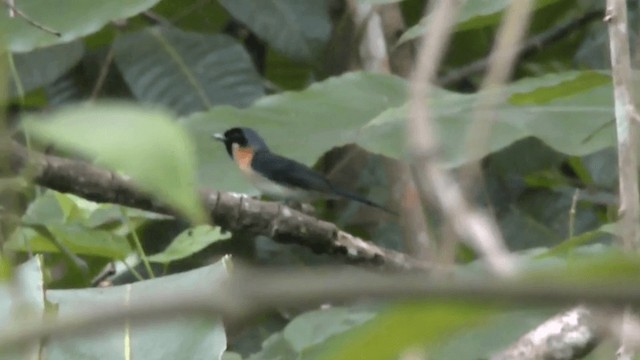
(243, 157)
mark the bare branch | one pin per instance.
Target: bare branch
(227, 210)
(626, 132)
(567, 336)
(501, 63)
(372, 46)
(528, 48)
(15, 11)
(432, 180)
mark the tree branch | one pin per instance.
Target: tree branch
(250, 292)
(531, 46)
(230, 211)
(626, 122)
(569, 335)
(13, 11)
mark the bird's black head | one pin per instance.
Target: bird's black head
(243, 137)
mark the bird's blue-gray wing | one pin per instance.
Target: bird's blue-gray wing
(289, 172)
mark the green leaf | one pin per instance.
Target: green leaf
(327, 114)
(42, 66)
(370, 110)
(544, 91)
(46, 209)
(484, 340)
(181, 337)
(189, 242)
(315, 327)
(23, 299)
(571, 124)
(230, 355)
(143, 143)
(194, 15)
(108, 215)
(568, 245)
(275, 347)
(186, 71)
(72, 18)
(286, 73)
(306, 335)
(474, 14)
(402, 326)
(298, 28)
(78, 239)
(589, 265)
(375, 2)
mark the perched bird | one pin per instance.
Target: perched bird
(278, 176)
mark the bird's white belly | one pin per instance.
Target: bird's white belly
(271, 189)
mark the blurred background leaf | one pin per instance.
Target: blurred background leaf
(143, 143)
(186, 72)
(72, 19)
(297, 28)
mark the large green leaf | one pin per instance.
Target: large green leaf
(402, 326)
(473, 15)
(481, 341)
(193, 15)
(298, 28)
(316, 327)
(23, 300)
(306, 334)
(567, 111)
(56, 216)
(373, 2)
(568, 118)
(302, 124)
(189, 242)
(72, 18)
(181, 337)
(76, 238)
(42, 66)
(186, 71)
(143, 143)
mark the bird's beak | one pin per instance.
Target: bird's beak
(219, 137)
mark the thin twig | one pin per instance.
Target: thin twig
(528, 48)
(108, 271)
(501, 64)
(572, 213)
(13, 10)
(416, 233)
(154, 18)
(11, 4)
(102, 76)
(371, 44)
(433, 181)
(136, 240)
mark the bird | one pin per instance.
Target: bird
(278, 176)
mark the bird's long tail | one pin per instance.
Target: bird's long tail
(355, 197)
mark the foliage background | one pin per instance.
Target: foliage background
(140, 85)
